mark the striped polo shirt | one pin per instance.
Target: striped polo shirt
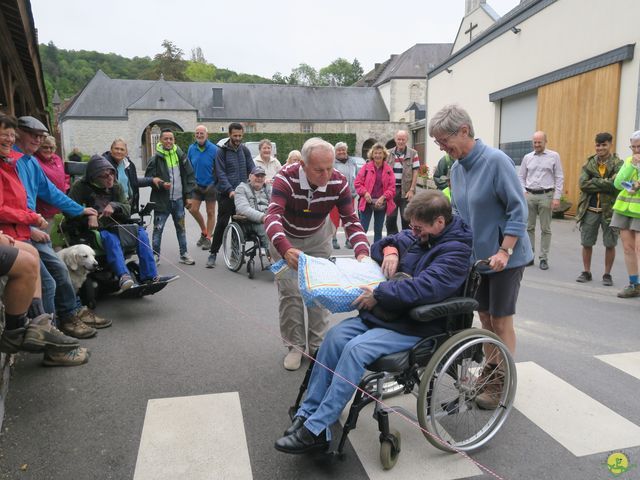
(297, 210)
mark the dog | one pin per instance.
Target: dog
(80, 261)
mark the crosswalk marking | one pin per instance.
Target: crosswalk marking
(418, 458)
(196, 438)
(578, 422)
(627, 362)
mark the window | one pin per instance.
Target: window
(306, 127)
(249, 128)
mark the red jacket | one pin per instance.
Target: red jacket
(366, 179)
(15, 217)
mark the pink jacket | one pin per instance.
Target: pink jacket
(54, 171)
(366, 180)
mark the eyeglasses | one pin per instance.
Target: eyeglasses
(416, 229)
(106, 175)
(47, 147)
(7, 136)
(443, 142)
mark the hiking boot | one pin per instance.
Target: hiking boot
(211, 261)
(126, 282)
(607, 280)
(347, 244)
(202, 238)
(11, 340)
(72, 358)
(489, 399)
(335, 244)
(293, 359)
(41, 333)
(186, 259)
(630, 291)
(544, 265)
(584, 277)
(91, 319)
(75, 327)
(206, 244)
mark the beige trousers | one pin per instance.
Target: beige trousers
(291, 305)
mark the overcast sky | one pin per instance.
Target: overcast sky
(254, 36)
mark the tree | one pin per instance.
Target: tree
(197, 55)
(200, 72)
(340, 72)
(170, 62)
(304, 74)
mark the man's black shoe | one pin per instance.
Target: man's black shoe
(302, 441)
(297, 423)
(544, 265)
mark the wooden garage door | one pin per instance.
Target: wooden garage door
(572, 112)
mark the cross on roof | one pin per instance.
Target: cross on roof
(472, 26)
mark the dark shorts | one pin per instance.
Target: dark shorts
(205, 194)
(498, 292)
(8, 257)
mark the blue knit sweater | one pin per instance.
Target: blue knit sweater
(486, 193)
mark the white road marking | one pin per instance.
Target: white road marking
(627, 362)
(418, 458)
(581, 424)
(196, 438)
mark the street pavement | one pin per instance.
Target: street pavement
(189, 384)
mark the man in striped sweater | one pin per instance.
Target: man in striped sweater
(298, 221)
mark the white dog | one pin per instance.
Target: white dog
(80, 260)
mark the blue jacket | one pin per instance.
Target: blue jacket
(232, 167)
(39, 187)
(202, 162)
(486, 193)
(439, 270)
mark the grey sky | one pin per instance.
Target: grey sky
(253, 36)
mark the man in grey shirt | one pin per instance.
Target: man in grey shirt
(542, 179)
(347, 166)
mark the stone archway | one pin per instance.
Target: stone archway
(366, 146)
(151, 136)
(390, 144)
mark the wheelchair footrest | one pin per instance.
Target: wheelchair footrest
(143, 290)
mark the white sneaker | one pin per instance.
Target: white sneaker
(293, 359)
(186, 259)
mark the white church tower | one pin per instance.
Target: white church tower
(478, 16)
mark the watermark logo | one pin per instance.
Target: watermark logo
(618, 463)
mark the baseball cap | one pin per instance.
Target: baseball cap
(31, 124)
(258, 170)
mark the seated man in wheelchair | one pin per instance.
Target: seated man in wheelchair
(99, 189)
(434, 256)
(252, 200)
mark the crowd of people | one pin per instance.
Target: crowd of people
(298, 207)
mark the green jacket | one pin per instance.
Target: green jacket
(158, 168)
(627, 204)
(93, 196)
(592, 183)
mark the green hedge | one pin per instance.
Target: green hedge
(285, 141)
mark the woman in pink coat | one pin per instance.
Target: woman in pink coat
(376, 186)
(53, 167)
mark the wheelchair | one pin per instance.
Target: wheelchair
(102, 280)
(445, 373)
(235, 249)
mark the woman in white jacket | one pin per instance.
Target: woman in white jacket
(270, 164)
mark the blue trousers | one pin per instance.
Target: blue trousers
(115, 255)
(378, 221)
(176, 210)
(58, 294)
(347, 349)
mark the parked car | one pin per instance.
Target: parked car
(253, 147)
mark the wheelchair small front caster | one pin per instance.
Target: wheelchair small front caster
(390, 450)
(251, 268)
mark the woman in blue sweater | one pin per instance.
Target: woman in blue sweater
(486, 193)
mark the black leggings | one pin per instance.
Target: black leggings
(226, 209)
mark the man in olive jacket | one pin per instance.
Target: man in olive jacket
(171, 165)
(595, 207)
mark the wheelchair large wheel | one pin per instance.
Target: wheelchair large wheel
(457, 373)
(233, 247)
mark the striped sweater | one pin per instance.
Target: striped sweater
(296, 210)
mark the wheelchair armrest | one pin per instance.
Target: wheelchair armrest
(450, 306)
(240, 218)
